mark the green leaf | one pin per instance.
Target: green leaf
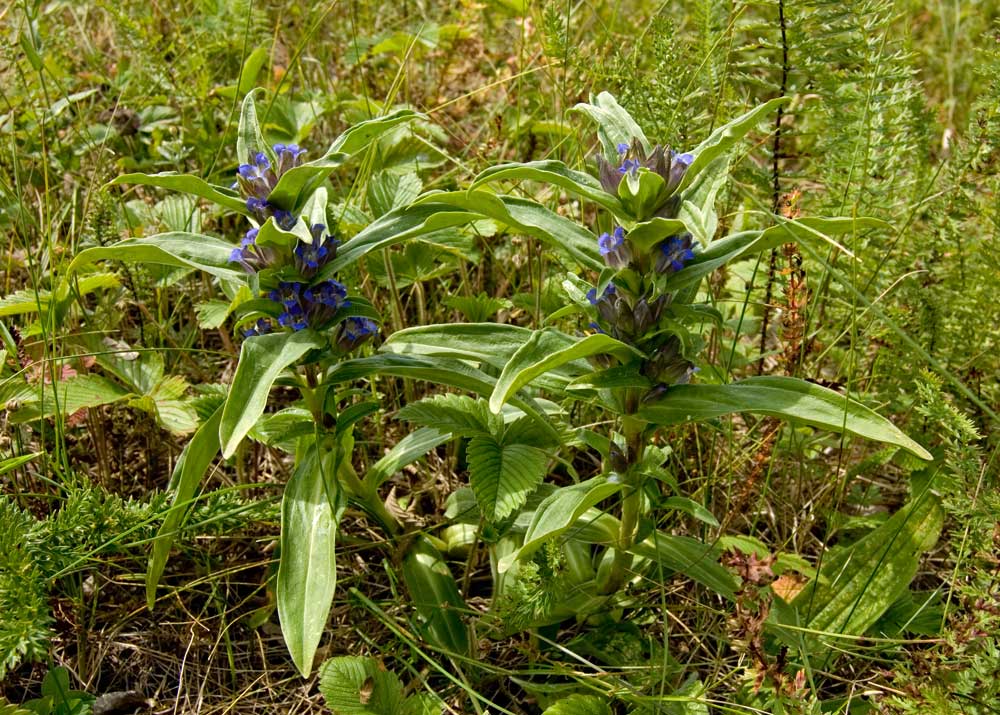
(856, 585)
(65, 397)
(553, 172)
(252, 66)
(477, 309)
(784, 397)
(387, 191)
(527, 217)
(194, 185)
(579, 705)
(694, 559)
(262, 359)
(545, 350)
(412, 447)
(614, 125)
(249, 140)
(647, 234)
(725, 137)
(307, 570)
(460, 415)
(697, 209)
(296, 185)
(352, 685)
(393, 228)
(559, 512)
(191, 466)
(693, 508)
(502, 476)
(186, 250)
(435, 596)
(746, 243)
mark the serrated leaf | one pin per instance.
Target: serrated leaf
(579, 705)
(388, 191)
(502, 477)
(461, 415)
(353, 685)
(262, 359)
(784, 397)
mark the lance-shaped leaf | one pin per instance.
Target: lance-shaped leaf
(191, 466)
(262, 359)
(307, 571)
(579, 705)
(558, 513)
(725, 137)
(694, 559)
(249, 139)
(614, 125)
(747, 243)
(296, 185)
(406, 451)
(187, 184)
(184, 250)
(784, 397)
(859, 583)
(435, 596)
(395, 227)
(530, 218)
(545, 350)
(556, 173)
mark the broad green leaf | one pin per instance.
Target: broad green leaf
(614, 125)
(395, 227)
(186, 250)
(352, 685)
(725, 137)
(579, 705)
(249, 140)
(559, 512)
(553, 172)
(856, 585)
(618, 377)
(460, 415)
(647, 234)
(502, 476)
(545, 350)
(191, 466)
(435, 596)
(307, 570)
(407, 450)
(262, 359)
(527, 217)
(746, 243)
(295, 185)
(694, 559)
(784, 397)
(252, 66)
(194, 185)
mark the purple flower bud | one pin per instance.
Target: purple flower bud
(354, 332)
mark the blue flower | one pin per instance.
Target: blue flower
(354, 332)
(609, 291)
(251, 256)
(674, 253)
(629, 166)
(612, 246)
(622, 148)
(310, 257)
(261, 327)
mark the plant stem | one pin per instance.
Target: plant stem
(631, 506)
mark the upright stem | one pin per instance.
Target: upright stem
(631, 506)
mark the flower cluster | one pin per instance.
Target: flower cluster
(306, 307)
(661, 162)
(353, 332)
(257, 179)
(623, 318)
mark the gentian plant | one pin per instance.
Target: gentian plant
(298, 323)
(637, 356)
